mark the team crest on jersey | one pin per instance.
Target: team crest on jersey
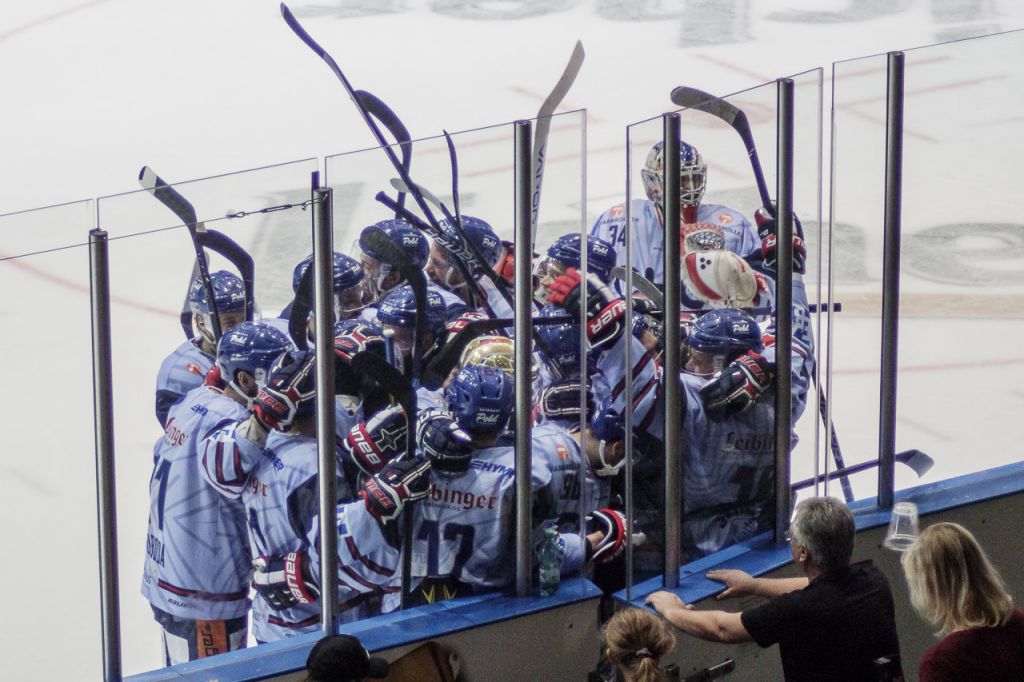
(562, 451)
(193, 368)
(618, 209)
(725, 219)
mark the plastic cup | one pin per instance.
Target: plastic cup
(903, 527)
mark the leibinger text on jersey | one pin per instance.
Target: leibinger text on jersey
(454, 498)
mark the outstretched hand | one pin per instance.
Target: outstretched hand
(737, 583)
(666, 601)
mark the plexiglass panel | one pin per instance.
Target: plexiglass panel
(728, 459)
(962, 257)
(444, 531)
(854, 257)
(155, 360)
(49, 485)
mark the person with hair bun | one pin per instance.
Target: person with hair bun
(955, 588)
(635, 641)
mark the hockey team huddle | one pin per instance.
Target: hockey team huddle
(234, 490)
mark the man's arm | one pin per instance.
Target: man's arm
(713, 626)
(739, 583)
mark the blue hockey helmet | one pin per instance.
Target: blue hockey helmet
(408, 238)
(481, 399)
(250, 347)
(480, 234)
(347, 274)
(398, 309)
(600, 254)
(228, 296)
(725, 334)
(562, 340)
(693, 174)
(346, 270)
(228, 293)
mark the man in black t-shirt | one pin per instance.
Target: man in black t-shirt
(831, 625)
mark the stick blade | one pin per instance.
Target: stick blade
(692, 98)
(918, 461)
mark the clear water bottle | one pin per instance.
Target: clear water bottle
(549, 563)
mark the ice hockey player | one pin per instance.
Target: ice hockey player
(369, 545)
(197, 570)
(396, 315)
(380, 277)
(269, 461)
(349, 294)
(464, 527)
(443, 271)
(705, 226)
(564, 253)
(186, 367)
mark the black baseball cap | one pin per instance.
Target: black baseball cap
(343, 658)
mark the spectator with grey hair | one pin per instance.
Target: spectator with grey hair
(831, 624)
(956, 588)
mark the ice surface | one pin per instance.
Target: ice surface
(96, 89)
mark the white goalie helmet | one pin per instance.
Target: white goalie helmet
(693, 174)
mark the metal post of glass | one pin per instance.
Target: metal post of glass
(783, 304)
(628, 416)
(523, 353)
(673, 388)
(891, 278)
(103, 411)
(323, 302)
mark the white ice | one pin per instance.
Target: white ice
(94, 89)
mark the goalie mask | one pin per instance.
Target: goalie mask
(723, 335)
(693, 176)
(229, 301)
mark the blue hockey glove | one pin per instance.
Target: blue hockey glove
(285, 581)
(449, 448)
(375, 443)
(604, 308)
(398, 483)
(767, 230)
(735, 389)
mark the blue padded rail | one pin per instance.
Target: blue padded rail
(377, 634)
(759, 555)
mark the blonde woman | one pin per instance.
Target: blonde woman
(955, 588)
(636, 639)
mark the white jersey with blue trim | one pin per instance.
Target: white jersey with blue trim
(280, 499)
(728, 471)
(368, 565)
(180, 372)
(197, 555)
(647, 236)
(464, 526)
(610, 382)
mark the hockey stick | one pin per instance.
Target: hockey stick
(540, 135)
(383, 113)
(641, 284)
(434, 229)
(391, 380)
(186, 213)
(919, 463)
(218, 242)
(692, 98)
(392, 254)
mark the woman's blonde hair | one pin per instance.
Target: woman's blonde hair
(637, 639)
(952, 583)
